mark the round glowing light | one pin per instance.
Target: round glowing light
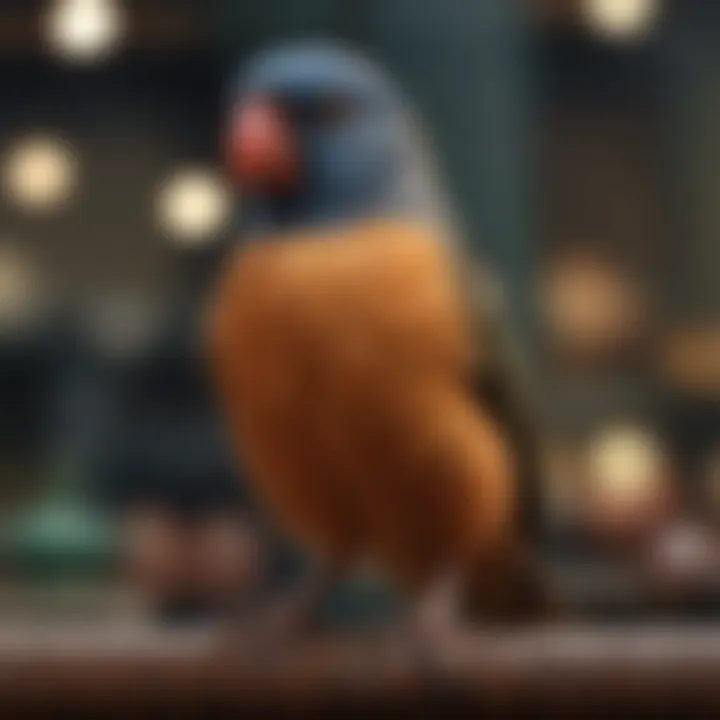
(40, 173)
(626, 464)
(193, 205)
(83, 30)
(589, 306)
(621, 19)
(20, 289)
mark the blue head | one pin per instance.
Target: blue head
(319, 134)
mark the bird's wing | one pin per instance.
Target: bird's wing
(502, 387)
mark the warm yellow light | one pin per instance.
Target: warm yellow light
(83, 30)
(40, 173)
(590, 306)
(621, 19)
(625, 464)
(193, 205)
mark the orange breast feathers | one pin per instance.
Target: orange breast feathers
(344, 365)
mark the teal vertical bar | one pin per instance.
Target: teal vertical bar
(468, 65)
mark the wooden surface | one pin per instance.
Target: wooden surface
(128, 669)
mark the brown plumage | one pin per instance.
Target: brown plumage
(346, 369)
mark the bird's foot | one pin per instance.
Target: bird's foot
(427, 639)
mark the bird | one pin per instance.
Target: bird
(371, 387)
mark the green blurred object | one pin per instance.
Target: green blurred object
(63, 537)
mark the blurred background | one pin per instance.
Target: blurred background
(579, 138)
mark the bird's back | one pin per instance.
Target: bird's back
(345, 364)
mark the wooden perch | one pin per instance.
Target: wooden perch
(573, 671)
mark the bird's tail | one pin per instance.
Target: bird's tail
(508, 587)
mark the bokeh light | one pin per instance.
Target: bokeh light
(193, 206)
(628, 479)
(40, 173)
(590, 308)
(83, 31)
(621, 19)
(625, 461)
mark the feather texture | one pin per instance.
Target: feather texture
(346, 366)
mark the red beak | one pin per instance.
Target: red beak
(261, 148)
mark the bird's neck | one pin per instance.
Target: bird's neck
(316, 207)
(410, 191)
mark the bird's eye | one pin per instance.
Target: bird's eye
(335, 110)
(313, 113)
